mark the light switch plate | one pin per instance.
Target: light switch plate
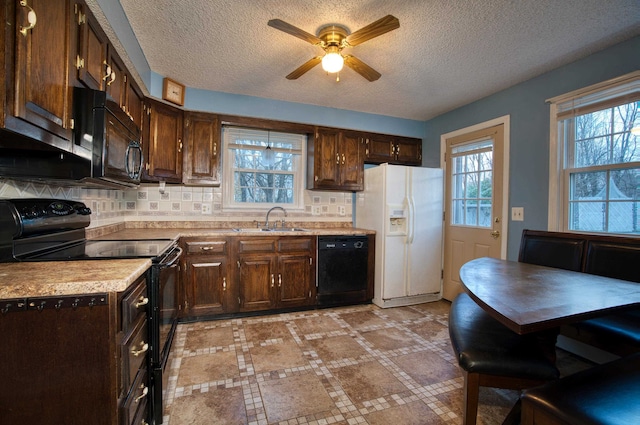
(517, 213)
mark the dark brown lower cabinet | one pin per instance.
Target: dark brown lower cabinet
(207, 287)
(275, 272)
(75, 359)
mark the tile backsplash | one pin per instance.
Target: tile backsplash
(175, 203)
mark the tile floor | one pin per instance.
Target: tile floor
(348, 365)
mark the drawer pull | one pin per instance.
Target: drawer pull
(145, 391)
(144, 349)
(143, 301)
(206, 248)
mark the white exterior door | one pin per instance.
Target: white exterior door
(474, 189)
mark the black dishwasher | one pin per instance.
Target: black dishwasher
(343, 270)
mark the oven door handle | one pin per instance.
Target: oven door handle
(172, 262)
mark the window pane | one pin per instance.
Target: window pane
(592, 152)
(472, 184)
(587, 216)
(588, 186)
(485, 213)
(457, 215)
(471, 212)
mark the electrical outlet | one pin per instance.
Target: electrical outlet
(517, 213)
(315, 210)
(341, 210)
(206, 208)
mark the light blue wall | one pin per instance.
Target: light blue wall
(118, 20)
(529, 122)
(251, 106)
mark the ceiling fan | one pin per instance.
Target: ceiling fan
(334, 38)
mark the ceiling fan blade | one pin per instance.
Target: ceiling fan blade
(379, 27)
(361, 68)
(294, 31)
(304, 68)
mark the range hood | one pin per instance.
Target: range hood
(22, 158)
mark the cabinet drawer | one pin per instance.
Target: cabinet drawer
(292, 244)
(256, 245)
(134, 352)
(208, 247)
(133, 409)
(134, 304)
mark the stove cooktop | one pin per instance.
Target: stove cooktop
(93, 249)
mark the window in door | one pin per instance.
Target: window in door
(472, 184)
(262, 168)
(599, 138)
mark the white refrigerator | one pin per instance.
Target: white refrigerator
(404, 206)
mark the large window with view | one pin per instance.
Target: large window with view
(262, 168)
(599, 138)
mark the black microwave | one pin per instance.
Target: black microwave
(108, 137)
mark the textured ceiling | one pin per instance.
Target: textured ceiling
(445, 54)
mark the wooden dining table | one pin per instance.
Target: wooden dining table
(529, 298)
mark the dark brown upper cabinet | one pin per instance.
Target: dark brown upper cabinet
(381, 148)
(202, 154)
(162, 142)
(38, 74)
(335, 160)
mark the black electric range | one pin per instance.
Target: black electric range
(54, 230)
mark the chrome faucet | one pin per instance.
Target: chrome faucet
(266, 223)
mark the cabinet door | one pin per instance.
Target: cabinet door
(256, 279)
(164, 143)
(326, 160)
(91, 59)
(206, 285)
(379, 149)
(409, 151)
(351, 162)
(294, 280)
(115, 83)
(43, 95)
(202, 141)
(134, 101)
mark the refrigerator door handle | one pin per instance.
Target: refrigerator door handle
(412, 217)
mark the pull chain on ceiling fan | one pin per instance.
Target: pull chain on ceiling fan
(334, 38)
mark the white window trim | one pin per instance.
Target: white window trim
(228, 185)
(557, 204)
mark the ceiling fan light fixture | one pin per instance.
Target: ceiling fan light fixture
(332, 62)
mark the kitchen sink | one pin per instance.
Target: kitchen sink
(263, 229)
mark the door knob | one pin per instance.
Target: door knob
(495, 234)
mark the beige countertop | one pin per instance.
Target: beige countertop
(176, 233)
(56, 278)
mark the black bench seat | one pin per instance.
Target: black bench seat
(607, 394)
(605, 255)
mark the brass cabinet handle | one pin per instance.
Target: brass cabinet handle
(31, 18)
(143, 349)
(224, 283)
(143, 301)
(279, 280)
(337, 158)
(342, 159)
(272, 281)
(145, 391)
(206, 248)
(179, 145)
